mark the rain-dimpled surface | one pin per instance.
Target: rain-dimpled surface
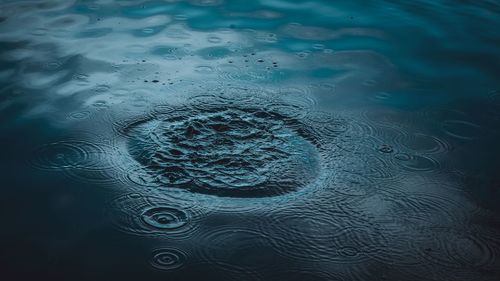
(249, 140)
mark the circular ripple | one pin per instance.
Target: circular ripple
(416, 163)
(165, 218)
(423, 143)
(106, 177)
(241, 96)
(325, 237)
(80, 114)
(455, 249)
(385, 148)
(226, 272)
(352, 184)
(422, 209)
(78, 159)
(142, 178)
(204, 69)
(236, 247)
(324, 127)
(168, 259)
(67, 155)
(396, 119)
(221, 146)
(461, 129)
(137, 214)
(83, 161)
(304, 274)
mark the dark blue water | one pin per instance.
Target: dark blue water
(250, 140)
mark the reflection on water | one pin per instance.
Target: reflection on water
(249, 140)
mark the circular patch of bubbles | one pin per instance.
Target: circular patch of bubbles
(168, 259)
(226, 147)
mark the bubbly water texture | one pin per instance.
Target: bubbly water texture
(226, 151)
(250, 140)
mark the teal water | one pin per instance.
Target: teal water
(249, 140)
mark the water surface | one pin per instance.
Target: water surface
(250, 140)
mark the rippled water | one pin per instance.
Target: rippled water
(250, 140)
